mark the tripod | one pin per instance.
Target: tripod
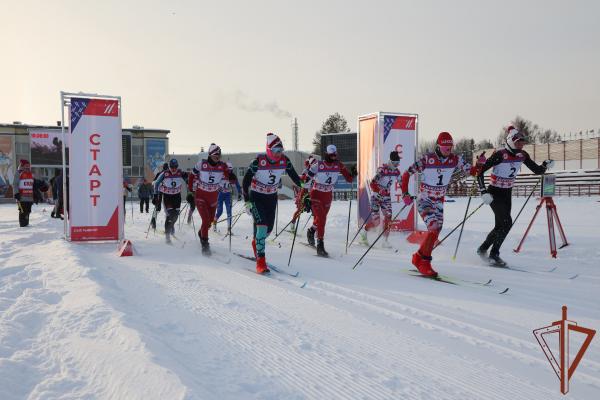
(552, 215)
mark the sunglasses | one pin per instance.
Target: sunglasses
(277, 150)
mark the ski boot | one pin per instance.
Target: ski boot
(423, 264)
(496, 261)
(254, 247)
(363, 239)
(168, 237)
(205, 247)
(310, 236)
(385, 244)
(482, 253)
(321, 249)
(261, 265)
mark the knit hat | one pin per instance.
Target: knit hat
(213, 149)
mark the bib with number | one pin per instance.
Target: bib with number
(26, 184)
(209, 177)
(436, 174)
(172, 182)
(504, 174)
(267, 176)
(325, 176)
(386, 175)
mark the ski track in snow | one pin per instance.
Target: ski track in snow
(78, 322)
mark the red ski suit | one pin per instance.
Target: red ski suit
(323, 176)
(204, 182)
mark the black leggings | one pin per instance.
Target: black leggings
(263, 213)
(172, 206)
(501, 207)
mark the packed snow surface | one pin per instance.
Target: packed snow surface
(76, 321)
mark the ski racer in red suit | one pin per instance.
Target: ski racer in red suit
(436, 169)
(204, 181)
(386, 176)
(324, 175)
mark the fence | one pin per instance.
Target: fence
(568, 155)
(568, 183)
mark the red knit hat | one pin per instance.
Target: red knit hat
(445, 139)
(24, 164)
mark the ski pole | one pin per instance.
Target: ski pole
(276, 215)
(131, 203)
(524, 204)
(458, 226)
(181, 213)
(194, 226)
(473, 189)
(348, 227)
(293, 241)
(362, 226)
(380, 235)
(153, 218)
(306, 223)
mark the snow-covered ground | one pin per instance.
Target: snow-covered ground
(76, 321)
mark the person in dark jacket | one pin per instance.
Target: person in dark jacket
(144, 194)
(506, 163)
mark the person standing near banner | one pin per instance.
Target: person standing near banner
(169, 184)
(436, 169)
(23, 191)
(225, 196)
(324, 175)
(506, 163)
(387, 175)
(204, 182)
(144, 194)
(259, 188)
(126, 190)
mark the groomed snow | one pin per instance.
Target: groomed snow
(76, 321)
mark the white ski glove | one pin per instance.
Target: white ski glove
(487, 198)
(248, 205)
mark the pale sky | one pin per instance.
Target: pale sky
(230, 71)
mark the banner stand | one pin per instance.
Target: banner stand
(94, 208)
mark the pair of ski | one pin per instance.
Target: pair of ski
(281, 274)
(453, 281)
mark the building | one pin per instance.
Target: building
(345, 142)
(144, 150)
(241, 161)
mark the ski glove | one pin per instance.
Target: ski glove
(189, 198)
(407, 199)
(486, 197)
(18, 196)
(249, 208)
(548, 164)
(239, 197)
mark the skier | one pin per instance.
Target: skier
(225, 196)
(436, 169)
(169, 184)
(387, 174)
(165, 167)
(23, 191)
(506, 163)
(324, 175)
(259, 188)
(204, 183)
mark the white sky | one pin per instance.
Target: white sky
(199, 67)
